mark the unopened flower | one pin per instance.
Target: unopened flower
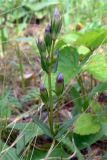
(59, 84)
(43, 93)
(48, 37)
(41, 46)
(56, 23)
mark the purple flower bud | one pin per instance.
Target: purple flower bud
(42, 88)
(59, 87)
(43, 93)
(48, 29)
(41, 46)
(56, 23)
(48, 37)
(56, 13)
(60, 78)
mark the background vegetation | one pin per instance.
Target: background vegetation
(83, 63)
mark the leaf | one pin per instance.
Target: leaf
(57, 153)
(43, 126)
(41, 5)
(10, 154)
(92, 39)
(64, 127)
(95, 106)
(83, 51)
(71, 147)
(99, 88)
(86, 124)
(27, 132)
(81, 140)
(67, 64)
(97, 66)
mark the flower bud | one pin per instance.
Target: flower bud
(59, 84)
(56, 23)
(42, 49)
(41, 46)
(55, 61)
(43, 94)
(48, 37)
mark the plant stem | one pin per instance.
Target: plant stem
(58, 107)
(50, 90)
(50, 102)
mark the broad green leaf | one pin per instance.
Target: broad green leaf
(92, 39)
(67, 64)
(97, 66)
(86, 124)
(95, 106)
(69, 38)
(81, 140)
(83, 51)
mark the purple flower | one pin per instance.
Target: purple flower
(42, 88)
(56, 13)
(43, 93)
(60, 78)
(59, 87)
(48, 29)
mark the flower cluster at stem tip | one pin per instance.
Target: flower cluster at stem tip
(49, 56)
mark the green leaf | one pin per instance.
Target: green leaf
(97, 66)
(10, 154)
(41, 5)
(57, 153)
(81, 140)
(93, 39)
(67, 64)
(98, 89)
(64, 127)
(86, 124)
(95, 106)
(83, 51)
(71, 146)
(43, 126)
(27, 132)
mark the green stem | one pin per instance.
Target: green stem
(50, 102)
(58, 106)
(50, 90)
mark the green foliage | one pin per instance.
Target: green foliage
(43, 126)
(8, 154)
(78, 53)
(97, 66)
(97, 38)
(86, 124)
